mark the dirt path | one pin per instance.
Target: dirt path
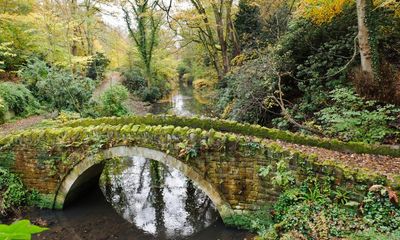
(111, 79)
(133, 104)
(20, 124)
(386, 165)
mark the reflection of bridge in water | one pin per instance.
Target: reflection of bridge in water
(222, 158)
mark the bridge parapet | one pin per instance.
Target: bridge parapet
(244, 129)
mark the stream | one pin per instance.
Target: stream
(141, 199)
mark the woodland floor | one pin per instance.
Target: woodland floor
(386, 165)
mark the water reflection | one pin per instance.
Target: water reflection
(182, 103)
(156, 198)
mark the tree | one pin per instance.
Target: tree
(367, 39)
(213, 27)
(143, 20)
(247, 22)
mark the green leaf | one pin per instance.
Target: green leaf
(19, 230)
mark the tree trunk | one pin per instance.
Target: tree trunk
(365, 34)
(74, 47)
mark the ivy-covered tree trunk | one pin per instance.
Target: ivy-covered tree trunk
(143, 24)
(367, 40)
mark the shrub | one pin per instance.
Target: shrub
(61, 90)
(34, 71)
(97, 65)
(244, 91)
(3, 110)
(12, 191)
(316, 210)
(351, 117)
(134, 81)
(18, 99)
(372, 234)
(58, 88)
(151, 94)
(112, 101)
(379, 212)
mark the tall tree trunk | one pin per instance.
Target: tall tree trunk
(368, 51)
(74, 47)
(207, 38)
(221, 37)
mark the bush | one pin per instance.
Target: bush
(34, 71)
(379, 212)
(319, 210)
(62, 90)
(134, 81)
(372, 234)
(18, 99)
(112, 101)
(58, 88)
(97, 65)
(243, 92)
(351, 117)
(151, 94)
(3, 110)
(12, 192)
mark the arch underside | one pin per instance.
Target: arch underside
(90, 168)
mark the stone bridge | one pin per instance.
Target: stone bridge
(223, 158)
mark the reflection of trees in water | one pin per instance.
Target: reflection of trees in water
(146, 188)
(157, 195)
(198, 206)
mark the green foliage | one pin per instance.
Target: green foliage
(62, 90)
(97, 65)
(151, 94)
(134, 81)
(58, 88)
(351, 117)
(34, 71)
(17, 98)
(136, 84)
(283, 176)
(3, 110)
(6, 52)
(12, 191)
(242, 93)
(248, 23)
(372, 234)
(379, 212)
(255, 222)
(19, 230)
(112, 101)
(314, 211)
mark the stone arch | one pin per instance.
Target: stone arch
(90, 167)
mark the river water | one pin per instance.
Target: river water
(141, 199)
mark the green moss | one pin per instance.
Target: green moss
(246, 129)
(7, 159)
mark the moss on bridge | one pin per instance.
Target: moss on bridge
(245, 129)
